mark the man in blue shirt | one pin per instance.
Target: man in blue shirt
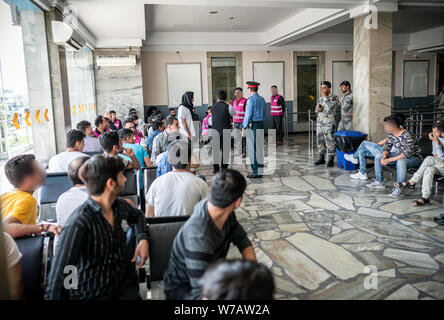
(158, 127)
(255, 114)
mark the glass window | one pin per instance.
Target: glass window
(26, 122)
(223, 76)
(307, 85)
(415, 79)
(81, 85)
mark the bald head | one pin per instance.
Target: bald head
(73, 170)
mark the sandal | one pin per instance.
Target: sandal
(406, 185)
(418, 203)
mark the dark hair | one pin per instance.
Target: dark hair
(82, 125)
(108, 140)
(132, 110)
(125, 133)
(238, 280)
(97, 170)
(440, 126)
(393, 119)
(401, 118)
(226, 187)
(157, 125)
(169, 121)
(112, 112)
(74, 168)
(106, 119)
(17, 168)
(135, 116)
(345, 83)
(254, 89)
(274, 86)
(327, 83)
(128, 120)
(172, 109)
(98, 120)
(179, 154)
(222, 95)
(73, 136)
(238, 88)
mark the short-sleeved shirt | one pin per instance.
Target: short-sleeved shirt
(140, 153)
(185, 113)
(405, 144)
(13, 255)
(60, 162)
(20, 205)
(70, 201)
(176, 194)
(92, 144)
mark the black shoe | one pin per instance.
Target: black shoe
(439, 220)
(244, 155)
(254, 176)
(320, 161)
(331, 162)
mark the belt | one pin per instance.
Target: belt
(257, 121)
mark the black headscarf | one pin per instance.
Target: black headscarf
(187, 100)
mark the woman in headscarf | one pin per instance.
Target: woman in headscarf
(184, 115)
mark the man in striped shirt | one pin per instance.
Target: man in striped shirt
(206, 236)
(92, 260)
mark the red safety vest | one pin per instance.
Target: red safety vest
(205, 125)
(239, 107)
(275, 109)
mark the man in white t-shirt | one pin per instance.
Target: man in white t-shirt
(74, 197)
(177, 192)
(184, 116)
(75, 141)
(13, 258)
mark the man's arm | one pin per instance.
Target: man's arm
(249, 254)
(149, 212)
(248, 114)
(281, 102)
(16, 229)
(237, 234)
(382, 142)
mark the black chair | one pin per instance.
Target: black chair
(162, 232)
(55, 184)
(37, 253)
(149, 175)
(132, 189)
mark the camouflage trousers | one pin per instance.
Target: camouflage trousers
(345, 124)
(325, 139)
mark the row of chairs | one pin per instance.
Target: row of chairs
(58, 182)
(37, 252)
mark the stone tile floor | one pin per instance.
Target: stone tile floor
(317, 230)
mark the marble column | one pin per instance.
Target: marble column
(119, 88)
(372, 75)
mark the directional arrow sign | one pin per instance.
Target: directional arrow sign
(27, 118)
(37, 114)
(73, 109)
(15, 122)
(46, 115)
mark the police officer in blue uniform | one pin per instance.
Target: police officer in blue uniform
(254, 120)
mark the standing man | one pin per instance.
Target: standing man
(346, 122)
(438, 102)
(221, 119)
(277, 109)
(255, 114)
(115, 124)
(240, 105)
(325, 128)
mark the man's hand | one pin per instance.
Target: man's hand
(319, 109)
(432, 136)
(385, 161)
(243, 132)
(142, 252)
(128, 152)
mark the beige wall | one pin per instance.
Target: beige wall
(248, 57)
(154, 74)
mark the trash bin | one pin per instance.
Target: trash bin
(347, 142)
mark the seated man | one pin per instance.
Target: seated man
(114, 123)
(431, 165)
(113, 147)
(102, 125)
(206, 236)
(176, 193)
(13, 263)
(440, 220)
(400, 148)
(91, 142)
(158, 128)
(18, 207)
(75, 196)
(93, 240)
(160, 142)
(75, 141)
(237, 280)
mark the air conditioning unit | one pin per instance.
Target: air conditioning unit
(62, 34)
(116, 61)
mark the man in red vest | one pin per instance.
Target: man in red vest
(277, 109)
(240, 105)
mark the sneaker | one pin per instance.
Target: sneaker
(359, 175)
(350, 158)
(396, 193)
(376, 185)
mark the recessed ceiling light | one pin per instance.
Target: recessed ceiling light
(214, 12)
(231, 18)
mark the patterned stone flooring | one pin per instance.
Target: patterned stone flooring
(317, 230)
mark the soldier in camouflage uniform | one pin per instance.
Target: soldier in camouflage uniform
(346, 122)
(325, 128)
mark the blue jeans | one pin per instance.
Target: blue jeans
(374, 151)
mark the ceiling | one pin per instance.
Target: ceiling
(169, 18)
